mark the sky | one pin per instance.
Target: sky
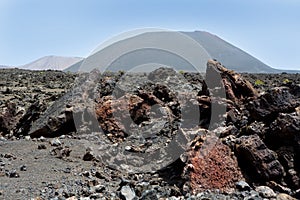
(29, 29)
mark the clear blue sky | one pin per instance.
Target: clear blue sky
(29, 29)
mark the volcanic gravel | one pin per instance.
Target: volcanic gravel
(53, 125)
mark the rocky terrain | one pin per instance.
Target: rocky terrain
(59, 132)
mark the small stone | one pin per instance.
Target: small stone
(41, 139)
(86, 173)
(149, 195)
(23, 168)
(95, 196)
(62, 137)
(265, 191)
(42, 146)
(127, 193)
(67, 170)
(243, 186)
(55, 142)
(283, 196)
(89, 156)
(13, 174)
(10, 156)
(99, 188)
(27, 137)
(128, 148)
(72, 198)
(2, 164)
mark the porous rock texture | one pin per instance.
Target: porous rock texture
(52, 125)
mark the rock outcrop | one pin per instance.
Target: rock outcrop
(241, 139)
(260, 161)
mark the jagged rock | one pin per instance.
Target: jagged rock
(161, 74)
(154, 102)
(267, 107)
(89, 155)
(116, 116)
(58, 121)
(218, 169)
(287, 156)
(256, 159)
(295, 90)
(285, 129)
(255, 127)
(236, 86)
(32, 114)
(9, 117)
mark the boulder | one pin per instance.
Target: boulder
(213, 167)
(236, 87)
(257, 160)
(267, 107)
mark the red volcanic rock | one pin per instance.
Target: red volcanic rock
(236, 87)
(105, 110)
(9, 118)
(216, 170)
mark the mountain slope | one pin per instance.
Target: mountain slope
(230, 56)
(51, 62)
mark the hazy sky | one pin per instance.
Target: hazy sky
(29, 29)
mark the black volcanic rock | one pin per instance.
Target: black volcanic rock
(258, 159)
(267, 107)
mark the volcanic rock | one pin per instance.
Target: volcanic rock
(216, 170)
(236, 86)
(286, 128)
(265, 192)
(268, 106)
(283, 196)
(260, 161)
(127, 193)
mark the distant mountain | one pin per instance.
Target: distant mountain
(230, 56)
(5, 66)
(51, 62)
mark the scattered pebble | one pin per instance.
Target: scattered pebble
(13, 174)
(265, 191)
(89, 156)
(243, 186)
(283, 196)
(23, 168)
(42, 146)
(55, 142)
(127, 193)
(27, 137)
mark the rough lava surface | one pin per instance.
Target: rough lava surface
(253, 154)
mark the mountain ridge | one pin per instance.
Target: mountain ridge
(229, 55)
(51, 62)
